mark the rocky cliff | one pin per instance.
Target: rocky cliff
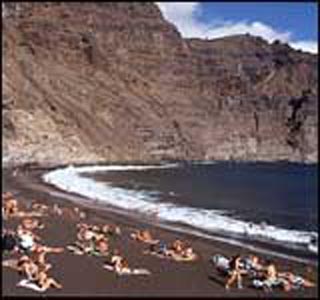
(116, 82)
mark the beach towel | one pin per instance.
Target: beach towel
(127, 271)
(30, 285)
(75, 250)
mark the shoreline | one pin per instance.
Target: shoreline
(54, 165)
(27, 186)
(81, 181)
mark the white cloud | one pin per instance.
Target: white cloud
(309, 46)
(186, 17)
(254, 28)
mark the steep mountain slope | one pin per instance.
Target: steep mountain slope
(115, 81)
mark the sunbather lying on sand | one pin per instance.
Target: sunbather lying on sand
(144, 236)
(92, 247)
(80, 248)
(177, 247)
(86, 231)
(35, 273)
(85, 234)
(120, 265)
(10, 208)
(188, 254)
(161, 250)
(272, 279)
(116, 258)
(91, 240)
(36, 258)
(101, 246)
(115, 261)
(178, 251)
(253, 266)
(43, 281)
(39, 252)
(111, 229)
(296, 281)
(27, 267)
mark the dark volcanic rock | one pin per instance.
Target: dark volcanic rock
(115, 81)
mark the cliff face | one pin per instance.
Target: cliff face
(115, 81)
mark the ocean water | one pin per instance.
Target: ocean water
(272, 203)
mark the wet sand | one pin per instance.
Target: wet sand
(84, 275)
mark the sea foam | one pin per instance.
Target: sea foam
(71, 179)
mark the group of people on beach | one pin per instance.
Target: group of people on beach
(262, 275)
(178, 250)
(94, 240)
(27, 245)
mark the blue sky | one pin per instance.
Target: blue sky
(294, 23)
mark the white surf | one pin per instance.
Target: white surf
(71, 179)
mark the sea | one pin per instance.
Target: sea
(268, 206)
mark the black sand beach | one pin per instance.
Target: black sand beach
(84, 275)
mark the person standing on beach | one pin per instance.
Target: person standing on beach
(235, 272)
